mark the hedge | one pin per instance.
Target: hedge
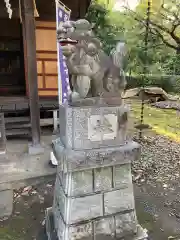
(168, 83)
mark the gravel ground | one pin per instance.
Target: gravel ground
(27, 221)
(159, 162)
(156, 188)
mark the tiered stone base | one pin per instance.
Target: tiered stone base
(52, 233)
(93, 197)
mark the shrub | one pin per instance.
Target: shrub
(175, 80)
(168, 83)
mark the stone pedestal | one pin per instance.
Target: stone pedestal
(93, 126)
(93, 196)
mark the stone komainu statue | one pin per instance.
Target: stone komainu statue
(93, 73)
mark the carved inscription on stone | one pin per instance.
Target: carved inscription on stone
(102, 127)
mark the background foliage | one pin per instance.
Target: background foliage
(163, 43)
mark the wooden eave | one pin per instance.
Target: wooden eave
(46, 8)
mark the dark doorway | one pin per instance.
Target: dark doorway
(12, 74)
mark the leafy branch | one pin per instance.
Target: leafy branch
(166, 33)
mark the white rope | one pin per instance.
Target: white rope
(36, 14)
(8, 7)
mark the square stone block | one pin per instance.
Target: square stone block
(118, 201)
(77, 183)
(104, 229)
(88, 127)
(58, 223)
(56, 212)
(60, 200)
(85, 208)
(74, 210)
(76, 160)
(61, 228)
(103, 179)
(81, 231)
(122, 177)
(125, 224)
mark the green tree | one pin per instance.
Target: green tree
(162, 48)
(164, 21)
(129, 25)
(98, 15)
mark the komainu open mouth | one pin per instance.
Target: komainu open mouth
(65, 41)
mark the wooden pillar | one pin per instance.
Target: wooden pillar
(28, 21)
